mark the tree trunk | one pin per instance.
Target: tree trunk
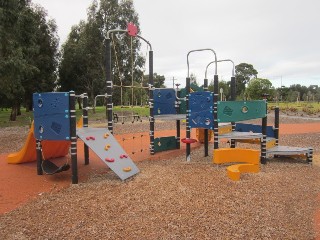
(19, 109)
(13, 114)
(28, 105)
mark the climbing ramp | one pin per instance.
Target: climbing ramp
(106, 147)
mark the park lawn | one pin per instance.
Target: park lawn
(306, 107)
(100, 112)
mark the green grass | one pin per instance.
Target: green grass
(100, 114)
(306, 107)
(23, 120)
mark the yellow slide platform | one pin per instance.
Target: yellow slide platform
(51, 149)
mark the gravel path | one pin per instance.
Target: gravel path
(173, 199)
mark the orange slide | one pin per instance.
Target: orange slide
(51, 149)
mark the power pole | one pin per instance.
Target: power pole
(173, 81)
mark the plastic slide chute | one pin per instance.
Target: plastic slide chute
(51, 149)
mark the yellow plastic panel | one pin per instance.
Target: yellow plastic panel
(236, 155)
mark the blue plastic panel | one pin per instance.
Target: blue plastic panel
(51, 116)
(244, 127)
(164, 101)
(201, 110)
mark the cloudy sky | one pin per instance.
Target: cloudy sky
(281, 39)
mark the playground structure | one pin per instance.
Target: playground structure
(272, 141)
(164, 104)
(56, 122)
(206, 112)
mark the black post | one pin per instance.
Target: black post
(264, 137)
(85, 124)
(109, 102)
(188, 132)
(178, 121)
(215, 112)
(206, 135)
(39, 157)
(276, 125)
(310, 155)
(233, 98)
(151, 102)
(73, 137)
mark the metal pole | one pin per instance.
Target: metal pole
(276, 125)
(109, 103)
(39, 157)
(215, 111)
(233, 98)
(206, 131)
(151, 102)
(178, 121)
(188, 134)
(85, 124)
(264, 137)
(73, 137)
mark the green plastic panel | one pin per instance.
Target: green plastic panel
(234, 111)
(165, 143)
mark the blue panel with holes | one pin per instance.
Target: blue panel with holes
(164, 101)
(51, 116)
(201, 110)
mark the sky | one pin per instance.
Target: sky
(280, 39)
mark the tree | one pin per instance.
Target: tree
(257, 87)
(317, 95)
(82, 65)
(224, 85)
(244, 72)
(27, 62)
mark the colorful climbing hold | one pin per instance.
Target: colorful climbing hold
(127, 169)
(107, 147)
(109, 159)
(90, 138)
(106, 135)
(123, 156)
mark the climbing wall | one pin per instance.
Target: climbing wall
(103, 143)
(51, 116)
(200, 105)
(164, 101)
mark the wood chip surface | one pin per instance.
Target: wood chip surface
(175, 199)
